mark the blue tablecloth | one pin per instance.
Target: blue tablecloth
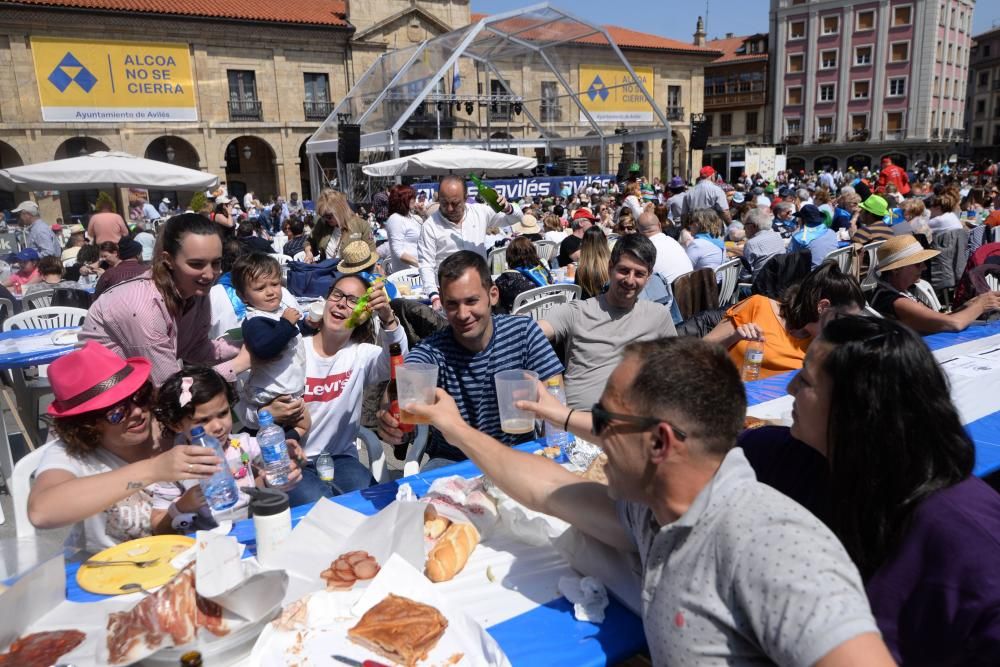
(546, 635)
(985, 432)
(34, 358)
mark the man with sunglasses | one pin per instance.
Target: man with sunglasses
(733, 572)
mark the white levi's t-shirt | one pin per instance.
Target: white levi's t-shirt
(335, 390)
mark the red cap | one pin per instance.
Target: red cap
(93, 378)
(707, 172)
(583, 213)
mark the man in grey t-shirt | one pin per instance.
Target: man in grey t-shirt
(733, 572)
(762, 243)
(594, 331)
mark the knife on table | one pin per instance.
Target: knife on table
(357, 663)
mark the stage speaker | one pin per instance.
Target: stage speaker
(699, 134)
(349, 143)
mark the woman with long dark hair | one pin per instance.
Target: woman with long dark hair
(164, 315)
(896, 486)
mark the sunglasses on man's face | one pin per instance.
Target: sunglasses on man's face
(117, 413)
(602, 420)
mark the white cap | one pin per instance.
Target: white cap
(165, 200)
(26, 207)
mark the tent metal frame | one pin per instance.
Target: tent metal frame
(511, 41)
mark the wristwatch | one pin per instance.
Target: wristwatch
(182, 522)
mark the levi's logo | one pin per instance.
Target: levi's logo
(326, 389)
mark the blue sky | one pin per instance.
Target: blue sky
(677, 18)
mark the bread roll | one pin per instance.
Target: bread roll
(452, 551)
(434, 523)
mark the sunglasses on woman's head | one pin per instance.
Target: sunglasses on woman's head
(143, 396)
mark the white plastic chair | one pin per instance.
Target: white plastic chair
(409, 277)
(281, 259)
(545, 250)
(376, 454)
(20, 487)
(38, 299)
(52, 317)
(300, 256)
(416, 451)
(925, 293)
(537, 308)
(871, 278)
(843, 256)
(727, 274)
(497, 260)
(564, 291)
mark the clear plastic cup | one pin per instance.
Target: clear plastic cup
(415, 383)
(516, 385)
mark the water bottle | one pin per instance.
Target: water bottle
(555, 436)
(220, 489)
(274, 451)
(752, 360)
(324, 467)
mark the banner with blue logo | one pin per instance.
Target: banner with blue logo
(530, 187)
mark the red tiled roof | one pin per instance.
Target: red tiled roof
(313, 12)
(729, 47)
(633, 39)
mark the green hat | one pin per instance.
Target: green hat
(635, 167)
(876, 205)
(769, 189)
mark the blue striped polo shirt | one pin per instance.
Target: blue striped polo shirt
(517, 343)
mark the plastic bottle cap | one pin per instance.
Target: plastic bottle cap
(552, 382)
(267, 502)
(197, 431)
(264, 418)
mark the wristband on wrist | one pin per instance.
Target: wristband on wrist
(566, 424)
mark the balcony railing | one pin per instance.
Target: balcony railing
(793, 139)
(244, 110)
(894, 135)
(824, 137)
(858, 135)
(317, 110)
(674, 113)
(500, 111)
(716, 100)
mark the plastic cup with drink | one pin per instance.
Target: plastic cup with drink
(513, 386)
(415, 383)
(316, 311)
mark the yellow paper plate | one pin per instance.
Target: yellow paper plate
(109, 579)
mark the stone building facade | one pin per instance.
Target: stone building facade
(983, 106)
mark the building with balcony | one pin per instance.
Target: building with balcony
(854, 81)
(982, 108)
(736, 101)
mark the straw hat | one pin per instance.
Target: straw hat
(93, 378)
(358, 256)
(529, 225)
(900, 251)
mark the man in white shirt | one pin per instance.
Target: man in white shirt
(455, 226)
(671, 260)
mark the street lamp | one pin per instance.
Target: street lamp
(247, 153)
(171, 153)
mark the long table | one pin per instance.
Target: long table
(546, 635)
(768, 396)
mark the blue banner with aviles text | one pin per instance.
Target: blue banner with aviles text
(515, 189)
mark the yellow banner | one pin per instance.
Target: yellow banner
(83, 80)
(609, 94)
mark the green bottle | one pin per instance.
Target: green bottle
(489, 195)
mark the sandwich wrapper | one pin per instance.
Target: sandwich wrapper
(588, 597)
(331, 614)
(249, 597)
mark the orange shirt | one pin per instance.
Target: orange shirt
(782, 351)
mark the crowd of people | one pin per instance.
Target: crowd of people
(858, 535)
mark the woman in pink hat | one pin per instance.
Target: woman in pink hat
(96, 472)
(165, 315)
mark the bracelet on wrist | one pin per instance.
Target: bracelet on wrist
(566, 423)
